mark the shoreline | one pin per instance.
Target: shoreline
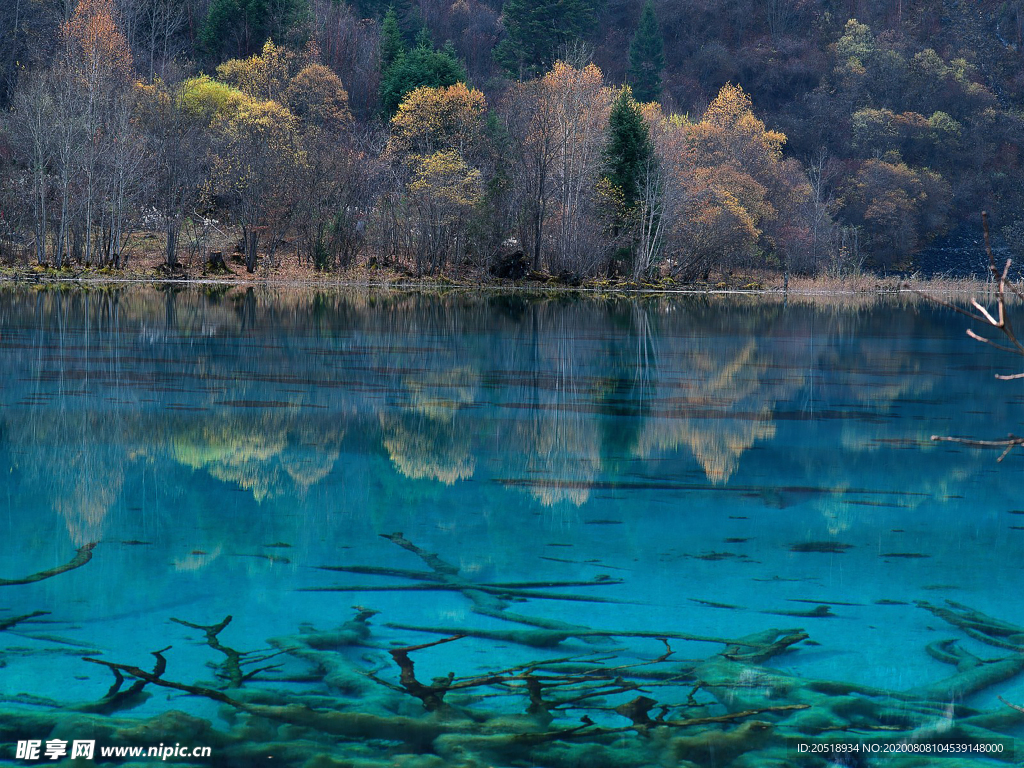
(761, 285)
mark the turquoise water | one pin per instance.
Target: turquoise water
(569, 481)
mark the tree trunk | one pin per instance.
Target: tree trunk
(252, 239)
(172, 242)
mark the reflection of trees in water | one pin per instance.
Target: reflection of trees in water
(573, 388)
(83, 365)
(85, 476)
(729, 385)
(557, 441)
(68, 447)
(423, 448)
(271, 454)
(419, 349)
(742, 406)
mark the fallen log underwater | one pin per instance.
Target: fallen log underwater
(349, 696)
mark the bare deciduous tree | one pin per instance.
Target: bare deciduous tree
(999, 320)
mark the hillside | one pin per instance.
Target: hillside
(802, 135)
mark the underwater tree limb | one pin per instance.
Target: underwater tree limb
(232, 665)
(763, 708)
(432, 696)
(484, 601)
(115, 699)
(445, 587)
(83, 555)
(553, 637)
(155, 678)
(15, 620)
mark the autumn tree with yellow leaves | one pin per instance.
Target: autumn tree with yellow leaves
(723, 184)
(436, 136)
(258, 152)
(435, 119)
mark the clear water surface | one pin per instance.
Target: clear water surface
(563, 481)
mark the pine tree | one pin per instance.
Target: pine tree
(630, 151)
(536, 29)
(239, 28)
(421, 66)
(407, 13)
(424, 39)
(391, 46)
(647, 56)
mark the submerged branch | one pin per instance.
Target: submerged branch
(82, 556)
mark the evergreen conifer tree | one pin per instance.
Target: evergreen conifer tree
(647, 56)
(630, 150)
(391, 46)
(421, 66)
(239, 28)
(424, 39)
(536, 29)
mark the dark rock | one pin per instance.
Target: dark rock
(511, 266)
(172, 270)
(569, 278)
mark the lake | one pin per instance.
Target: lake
(693, 531)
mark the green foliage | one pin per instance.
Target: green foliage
(372, 9)
(375, 9)
(241, 27)
(422, 66)
(536, 29)
(391, 46)
(857, 45)
(647, 56)
(629, 154)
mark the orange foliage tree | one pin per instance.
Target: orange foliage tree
(101, 147)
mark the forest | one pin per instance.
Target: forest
(658, 140)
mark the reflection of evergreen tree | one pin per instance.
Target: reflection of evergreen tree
(629, 390)
(558, 446)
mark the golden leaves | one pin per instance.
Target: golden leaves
(432, 119)
(317, 96)
(264, 75)
(447, 185)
